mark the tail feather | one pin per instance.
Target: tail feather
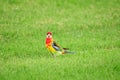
(70, 52)
(66, 50)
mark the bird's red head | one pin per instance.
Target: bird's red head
(49, 33)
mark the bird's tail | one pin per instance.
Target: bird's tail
(66, 50)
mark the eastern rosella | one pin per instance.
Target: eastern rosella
(53, 47)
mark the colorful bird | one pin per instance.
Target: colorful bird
(53, 47)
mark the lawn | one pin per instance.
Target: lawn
(91, 28)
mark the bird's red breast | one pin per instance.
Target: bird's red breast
(49, 41)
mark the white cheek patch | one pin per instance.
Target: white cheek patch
(50, 36)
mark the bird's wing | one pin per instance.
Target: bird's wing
(56, 46)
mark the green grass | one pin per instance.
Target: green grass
(91, 28)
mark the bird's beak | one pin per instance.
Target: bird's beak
(48, 36)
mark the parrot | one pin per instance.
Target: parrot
(53, 47)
